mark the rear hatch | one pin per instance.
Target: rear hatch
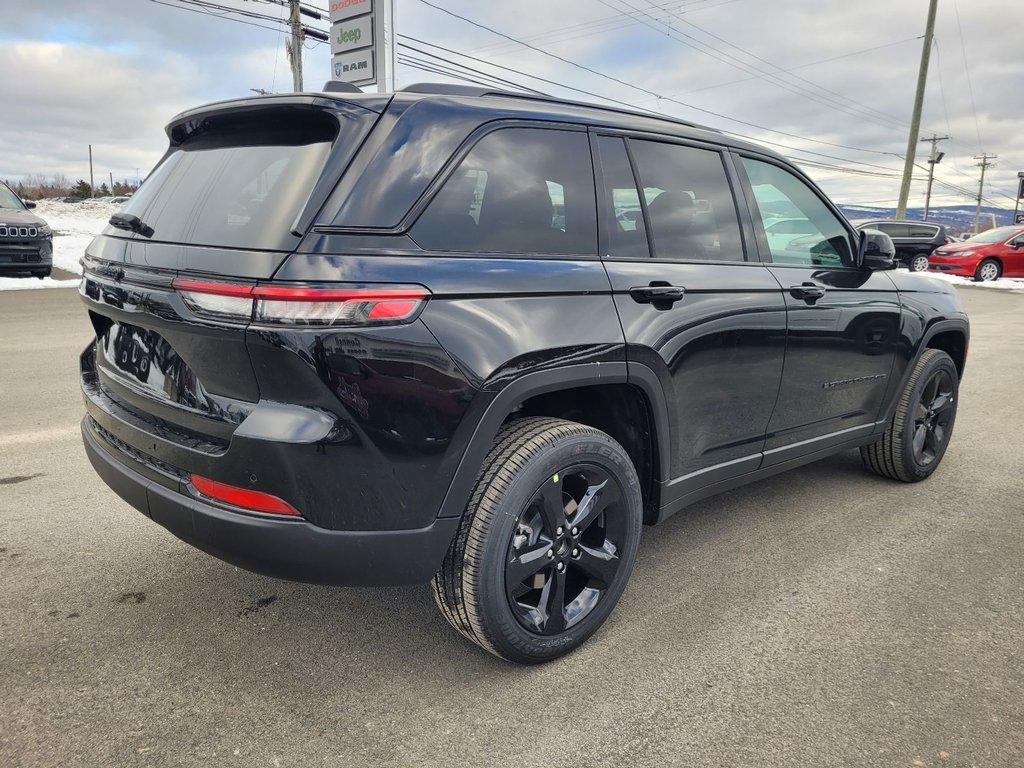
(239, 185)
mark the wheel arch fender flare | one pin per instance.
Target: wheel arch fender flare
(543, 382)
(956, 325)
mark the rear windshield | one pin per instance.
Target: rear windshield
(238, 181)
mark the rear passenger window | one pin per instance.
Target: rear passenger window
(690, 207)
(627, 235)
(519, 190)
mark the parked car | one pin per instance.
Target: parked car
(914, 240)
(372, 357)
(26, 241)
(986, 256)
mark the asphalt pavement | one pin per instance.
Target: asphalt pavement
(824, 617)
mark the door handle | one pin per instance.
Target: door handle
(661, 296)
(809, 292)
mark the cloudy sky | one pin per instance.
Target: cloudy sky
(829, 83)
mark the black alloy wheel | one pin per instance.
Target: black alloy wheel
(933, 416)
(920, 429)
(547, 542)
(564, 552)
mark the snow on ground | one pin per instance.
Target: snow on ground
(74, 226)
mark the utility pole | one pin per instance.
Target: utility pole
(933, 159)
(1020, 194)
(915, 120)
(295, 22)
(111, 182)
(985, 158)
(92, 183)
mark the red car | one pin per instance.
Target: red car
(996, 253)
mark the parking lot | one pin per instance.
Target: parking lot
(823, 617)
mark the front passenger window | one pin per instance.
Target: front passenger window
(782, 195)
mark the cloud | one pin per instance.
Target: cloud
(113, 73)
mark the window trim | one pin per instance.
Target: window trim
(764, 250)
(626, 136)
(412, 216)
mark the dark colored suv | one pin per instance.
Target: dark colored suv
(914, 240)
(26, 242)
(481, 338)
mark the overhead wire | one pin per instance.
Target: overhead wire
(647, 90)
(779, 70)
(729, 60)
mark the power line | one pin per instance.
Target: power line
(967, 72)
(802, 66)
(647, 90)
(729, 59)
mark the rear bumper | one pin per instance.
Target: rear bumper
(286, 549)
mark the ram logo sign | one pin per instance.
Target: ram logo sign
(356, 67)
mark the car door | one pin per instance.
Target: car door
(707, 322)
(1013, 256)
(843, 324)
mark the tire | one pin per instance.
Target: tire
(41, 273)
(989, 269)
(919, 433)
(540, 477)
(918, 263)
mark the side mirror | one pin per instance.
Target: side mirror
(876, 250)
(28, 204)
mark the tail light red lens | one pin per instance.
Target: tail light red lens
(243, 497)
(301, 305)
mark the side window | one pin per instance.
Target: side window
(627, 235)
(519, 190)
(690, 207)
(780, 194)
(921, 231)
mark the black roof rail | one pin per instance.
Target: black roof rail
(452, 89)
(337, 86)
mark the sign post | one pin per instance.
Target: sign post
(362, 43)
(1018, 218)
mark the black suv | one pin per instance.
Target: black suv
(26, 242)
(481, 338)
(914, 240)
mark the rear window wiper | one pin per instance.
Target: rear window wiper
(132, 223)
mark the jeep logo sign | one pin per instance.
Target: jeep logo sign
(351, 35)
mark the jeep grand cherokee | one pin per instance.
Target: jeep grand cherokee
(480, 338)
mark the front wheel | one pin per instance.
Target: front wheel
(547, 541)
(988, 270)
(919, 264)
(917, 437)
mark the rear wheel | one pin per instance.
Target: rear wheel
(989, 269)
(919, 432)
(547, 542)
(919, 263)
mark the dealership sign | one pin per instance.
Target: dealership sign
(359, 54)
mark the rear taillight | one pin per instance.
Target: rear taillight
(301, 305)
(254, 501)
